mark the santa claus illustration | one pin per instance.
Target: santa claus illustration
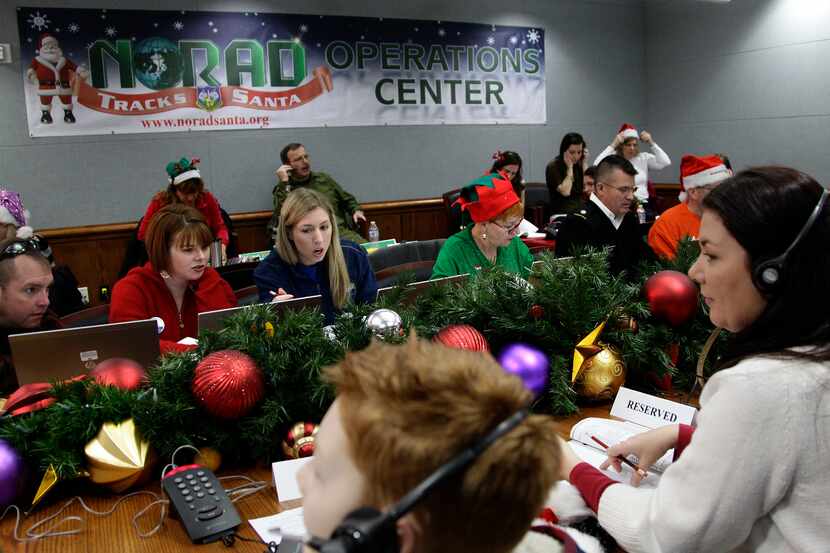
(53, 73)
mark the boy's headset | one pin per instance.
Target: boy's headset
(769, 274)
(367, 530)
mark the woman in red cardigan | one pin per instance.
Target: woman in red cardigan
(176, 284)
(187, 187)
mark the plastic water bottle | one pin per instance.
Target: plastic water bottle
(216, 253)
(641, 213)
(374, 232)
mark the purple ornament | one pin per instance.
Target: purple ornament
(528, 363)
(11, 473)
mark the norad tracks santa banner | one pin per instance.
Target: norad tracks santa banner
(132, 71)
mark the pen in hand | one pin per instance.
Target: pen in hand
(280, 295)
(622, 458)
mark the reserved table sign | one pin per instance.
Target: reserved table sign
(650, 411)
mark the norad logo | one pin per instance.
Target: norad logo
(159, 63)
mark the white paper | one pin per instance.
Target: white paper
(273, 528)
(526, 227)
(650, 411)
(612, 432)
(285, 478)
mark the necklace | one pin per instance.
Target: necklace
(481, 242)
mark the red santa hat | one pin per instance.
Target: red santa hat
(697, 171)
(628, 131)
(487, 197)
(44, 38)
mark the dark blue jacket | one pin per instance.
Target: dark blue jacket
(274, 273)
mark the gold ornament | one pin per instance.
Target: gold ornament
(208, 457)
(118, 457)
(586, 348)
(269, 330)
(598, 370)
(49, 480)
(300, 440)
(601, 375)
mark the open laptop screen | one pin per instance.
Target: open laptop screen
(61, 354)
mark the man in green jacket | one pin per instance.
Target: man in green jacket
(295, 172)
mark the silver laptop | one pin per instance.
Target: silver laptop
(61, 354)
(215, 320)
(414, 289)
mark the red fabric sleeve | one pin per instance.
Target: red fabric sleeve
(684, 436)
(591, 483)
(210, 209)
(154, 206)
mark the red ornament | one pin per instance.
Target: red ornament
(32, 397)
(228, 384)
(299, 442)
(122, 373)
(29, 398)
(462, 337)
(672, 296)
(537, 312)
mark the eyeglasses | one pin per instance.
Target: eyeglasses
(624, 190)
(304, 157)
(19, 247)
(510, 229)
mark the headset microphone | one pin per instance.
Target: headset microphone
(769, 274)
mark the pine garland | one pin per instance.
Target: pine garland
(574, 295)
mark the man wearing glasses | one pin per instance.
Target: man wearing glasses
(295, 171)
(698, 177)
(25, 278)
(607, 219)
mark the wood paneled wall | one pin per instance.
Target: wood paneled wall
(95, 252)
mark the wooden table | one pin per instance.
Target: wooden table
(115, 533)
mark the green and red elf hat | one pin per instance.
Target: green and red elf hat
(487, 197)
(182, 170)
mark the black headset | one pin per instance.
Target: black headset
(367, 530)
(769, 274)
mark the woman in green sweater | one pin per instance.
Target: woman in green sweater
(492, 239)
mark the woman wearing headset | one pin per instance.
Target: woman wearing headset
(752, 475)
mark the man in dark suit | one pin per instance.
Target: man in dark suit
(607, 219)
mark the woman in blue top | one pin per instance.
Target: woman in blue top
(303, 262)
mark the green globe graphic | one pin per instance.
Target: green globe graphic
(158, 63)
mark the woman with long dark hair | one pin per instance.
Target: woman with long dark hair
(564, 174)
(753, 474)
(509, 163)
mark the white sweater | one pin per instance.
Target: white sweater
(642, 162)
(755, 477)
